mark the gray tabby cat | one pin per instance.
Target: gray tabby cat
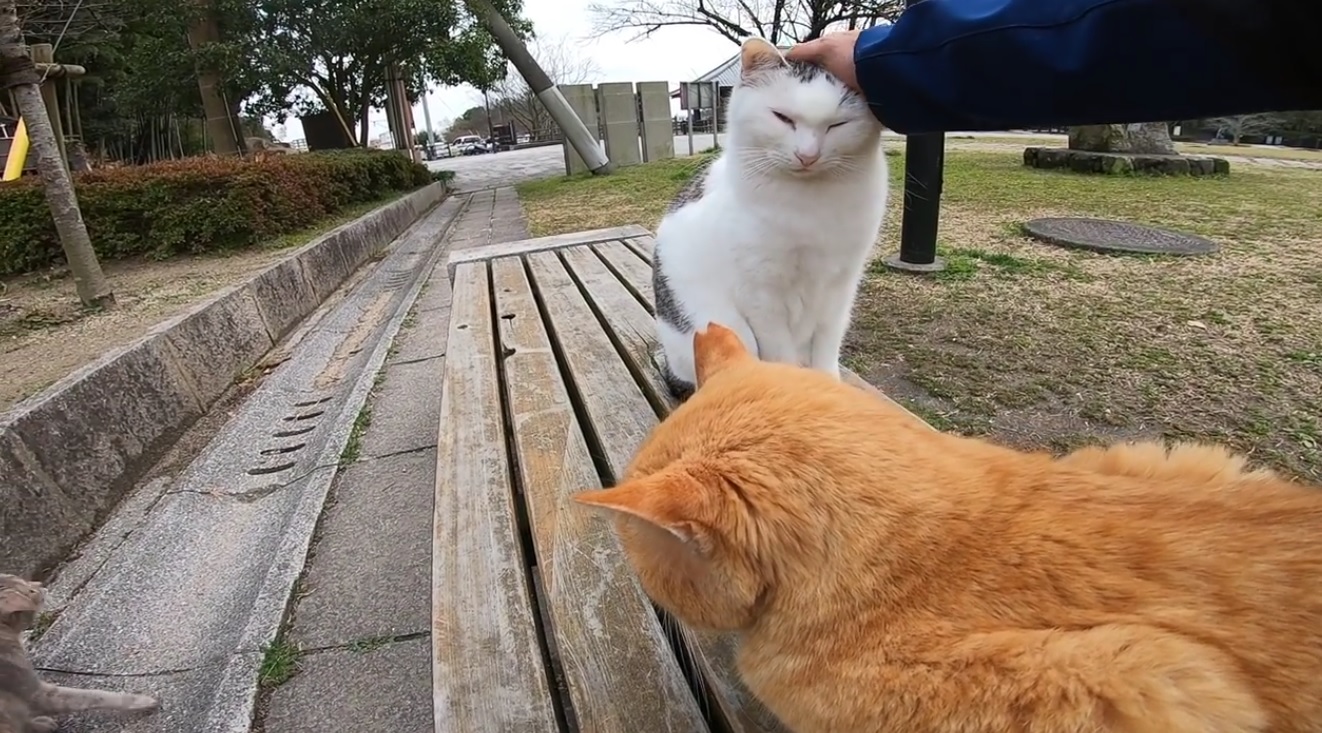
(27, 703)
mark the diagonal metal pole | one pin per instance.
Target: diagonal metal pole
(577, 133)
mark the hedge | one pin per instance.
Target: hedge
(199, 204)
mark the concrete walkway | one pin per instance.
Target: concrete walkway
(359, 634)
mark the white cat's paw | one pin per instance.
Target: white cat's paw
(43, 725)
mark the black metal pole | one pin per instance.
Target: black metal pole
(924, 159)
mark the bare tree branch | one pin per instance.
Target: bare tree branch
(1239, 126)
(513, 100)
(778, 21)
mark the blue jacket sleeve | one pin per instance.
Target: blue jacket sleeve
(950, 65)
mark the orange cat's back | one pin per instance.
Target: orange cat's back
(887, 577)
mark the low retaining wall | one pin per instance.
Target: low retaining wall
(68, 454)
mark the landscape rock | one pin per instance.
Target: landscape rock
(1083, 161)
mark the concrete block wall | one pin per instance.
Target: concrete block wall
(634, 124)
(68, 454)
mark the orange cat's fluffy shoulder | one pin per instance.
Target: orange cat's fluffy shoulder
(886, 577)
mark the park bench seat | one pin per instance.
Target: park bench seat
(539, 624)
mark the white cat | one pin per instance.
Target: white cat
(771, 239)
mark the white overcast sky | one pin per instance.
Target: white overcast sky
(671, 55)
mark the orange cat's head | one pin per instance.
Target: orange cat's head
(728, 503)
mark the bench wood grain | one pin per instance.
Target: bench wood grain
(537, 244)
(475, 536)
(618, 666)
(550, 395)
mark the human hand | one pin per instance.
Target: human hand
(833, 52)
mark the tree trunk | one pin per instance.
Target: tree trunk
(203, 30)
(1148, 138)
(93, 289)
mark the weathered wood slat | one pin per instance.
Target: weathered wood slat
(628, 320)
(713, 653)
(644, 245)
(538, 244)
(632, 269)
(488, 671)
(621, 673)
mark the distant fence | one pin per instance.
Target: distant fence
(631, 120)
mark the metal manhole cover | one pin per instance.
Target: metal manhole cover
(1101, 235)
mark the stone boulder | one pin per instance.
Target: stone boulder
(1083, 161)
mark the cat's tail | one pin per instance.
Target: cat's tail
(1200, 463)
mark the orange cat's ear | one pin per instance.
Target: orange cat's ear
(670, 500)
(716, 348)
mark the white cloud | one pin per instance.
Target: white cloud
(671, 55)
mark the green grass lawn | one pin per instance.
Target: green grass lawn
(1043, 347)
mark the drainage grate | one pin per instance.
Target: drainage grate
(281, 457)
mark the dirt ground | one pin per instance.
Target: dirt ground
(1048, 348)
(45, 333)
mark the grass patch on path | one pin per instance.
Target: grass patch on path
(1043, 347)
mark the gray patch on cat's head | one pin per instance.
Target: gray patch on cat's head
(804, 72)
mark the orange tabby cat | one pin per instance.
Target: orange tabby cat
(886, 577)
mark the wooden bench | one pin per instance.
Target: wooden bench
(539, 624)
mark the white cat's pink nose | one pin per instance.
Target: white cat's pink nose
(807, 159)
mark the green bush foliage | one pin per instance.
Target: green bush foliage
(199, 204)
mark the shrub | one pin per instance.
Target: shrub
(200, 204)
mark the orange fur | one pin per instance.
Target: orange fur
(885, 577)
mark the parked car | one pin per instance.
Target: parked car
(470, 145)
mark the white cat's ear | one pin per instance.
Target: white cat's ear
(716, 348)
(670, 499)
(757, 56)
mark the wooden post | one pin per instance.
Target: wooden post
(44, 53)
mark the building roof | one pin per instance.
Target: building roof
(727, 73)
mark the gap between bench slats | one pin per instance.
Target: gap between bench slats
(622, 415)
(475, 537)
(616, 663)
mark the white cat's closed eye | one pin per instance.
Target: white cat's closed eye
(786, 119)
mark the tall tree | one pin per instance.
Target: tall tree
(18, 75)
(331, 55)
(1237, 126)
(778, 21)
(221, 117)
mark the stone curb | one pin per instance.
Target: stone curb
(68, 454)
